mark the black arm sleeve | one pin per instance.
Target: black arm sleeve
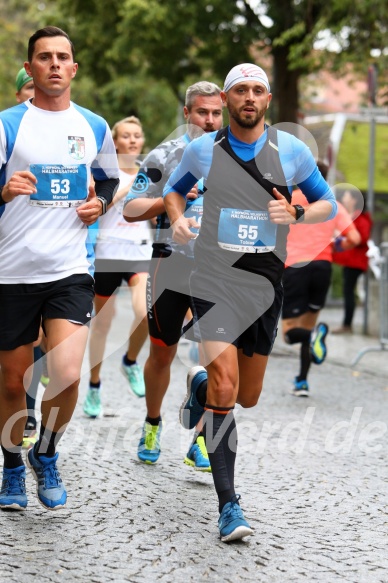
(106, 188)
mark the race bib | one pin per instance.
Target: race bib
(59, 186)
(246, 231)
(194, 210)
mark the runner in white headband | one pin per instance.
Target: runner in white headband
(246, 72)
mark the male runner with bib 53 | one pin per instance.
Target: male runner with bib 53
(49, 147)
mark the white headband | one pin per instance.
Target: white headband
(246, 72)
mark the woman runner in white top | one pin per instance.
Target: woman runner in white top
(123, 251)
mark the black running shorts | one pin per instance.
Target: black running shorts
(305, 288)
(110, 273)
(168, 296)
(24, 306)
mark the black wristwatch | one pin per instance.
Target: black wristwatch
(299, 217)
(104, 204)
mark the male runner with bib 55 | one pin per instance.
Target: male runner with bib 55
(248, 170)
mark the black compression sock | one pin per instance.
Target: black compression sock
(128, 362)
(46, 442)
(305, 361)
(221, 443)
(296, 335)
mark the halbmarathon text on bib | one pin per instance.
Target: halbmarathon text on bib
(59, 186)
(246, 231)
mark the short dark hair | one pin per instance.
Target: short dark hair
(48, 31)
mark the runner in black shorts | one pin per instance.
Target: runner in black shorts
(306, 282)
(168, 294)
(46, 203)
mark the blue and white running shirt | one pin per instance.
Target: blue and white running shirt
(41, 237)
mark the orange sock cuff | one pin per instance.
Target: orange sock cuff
(219, 410)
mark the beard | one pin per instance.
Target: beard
(246, 122)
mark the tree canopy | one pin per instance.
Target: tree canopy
(138, 56)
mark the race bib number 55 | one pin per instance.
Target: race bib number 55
(246, 231)
(59, 186)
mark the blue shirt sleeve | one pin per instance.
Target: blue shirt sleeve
(316, 188)
(195, 164)
(300, 168)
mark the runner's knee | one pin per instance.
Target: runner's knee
(161, 356)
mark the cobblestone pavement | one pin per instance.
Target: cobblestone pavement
(312, 474)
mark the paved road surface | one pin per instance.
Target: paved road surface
(312, 474)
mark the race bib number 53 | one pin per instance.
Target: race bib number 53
(59, 186)
(246, 231)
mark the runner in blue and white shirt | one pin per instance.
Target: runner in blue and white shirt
(49, 147)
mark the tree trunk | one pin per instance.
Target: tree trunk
(285, 101)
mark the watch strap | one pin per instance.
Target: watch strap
(104, 204)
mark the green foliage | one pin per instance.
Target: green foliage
(166, 39)
(18, 20)
(154, 104)
(353, 156)
(139, 55)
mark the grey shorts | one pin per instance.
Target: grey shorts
(243, 315)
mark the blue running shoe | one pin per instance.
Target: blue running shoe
(148, 450)
(197, 456)
(50, 489)
(191, 411)
(232, 523)
(13, 489)
(300, 389)
(318, 349)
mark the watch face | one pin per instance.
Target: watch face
(299, 211)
